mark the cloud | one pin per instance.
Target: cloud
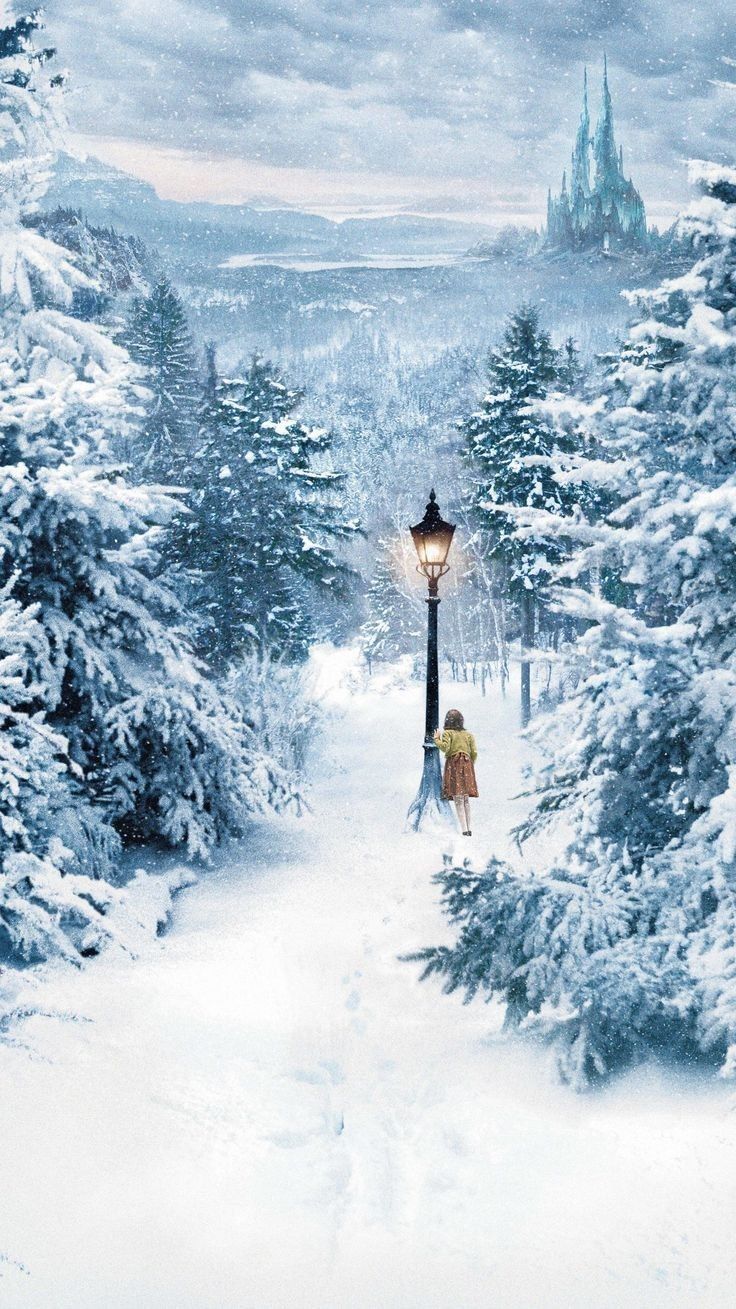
(444, 95)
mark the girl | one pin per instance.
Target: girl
(459, 780)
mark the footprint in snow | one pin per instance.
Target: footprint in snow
(333, 1070)
(288, 1140)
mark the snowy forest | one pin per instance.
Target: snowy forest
(228, 966)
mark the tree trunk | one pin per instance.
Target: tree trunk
(527, 642)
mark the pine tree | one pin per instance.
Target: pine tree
(158, 339)
(265, 521)
(393, 626)
(510, 446)
(627, 937)
(108, 724)
(569, 371)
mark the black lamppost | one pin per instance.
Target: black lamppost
(432, 539)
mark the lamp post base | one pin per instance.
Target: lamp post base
(429, 805)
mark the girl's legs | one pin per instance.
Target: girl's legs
(462, 805)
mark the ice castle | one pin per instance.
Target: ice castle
(605, 212)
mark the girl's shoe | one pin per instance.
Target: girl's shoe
(467, 833)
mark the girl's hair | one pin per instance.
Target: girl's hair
(454, 721)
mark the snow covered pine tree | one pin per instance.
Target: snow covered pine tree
(502, 438)
(108, 726)
(158, 339)
(394, 623)
(265, 520)
(629, 938)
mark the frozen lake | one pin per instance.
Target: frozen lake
(309, 264)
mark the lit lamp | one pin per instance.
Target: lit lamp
(432, 539)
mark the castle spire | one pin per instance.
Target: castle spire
(604, 143)
(551, 216)
(580, 185)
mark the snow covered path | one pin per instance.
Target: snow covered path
(268, 1110)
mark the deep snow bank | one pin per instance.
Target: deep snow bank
(268, 1109)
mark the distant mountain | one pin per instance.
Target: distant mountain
(198, 232)
(191, 232)
(410, 234)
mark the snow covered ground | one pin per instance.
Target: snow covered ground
(267, 1109)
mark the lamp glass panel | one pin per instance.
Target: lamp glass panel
(437, 546)
(420, 542)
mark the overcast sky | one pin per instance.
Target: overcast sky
(466, 107)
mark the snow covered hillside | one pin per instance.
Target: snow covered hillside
(268, 1109)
